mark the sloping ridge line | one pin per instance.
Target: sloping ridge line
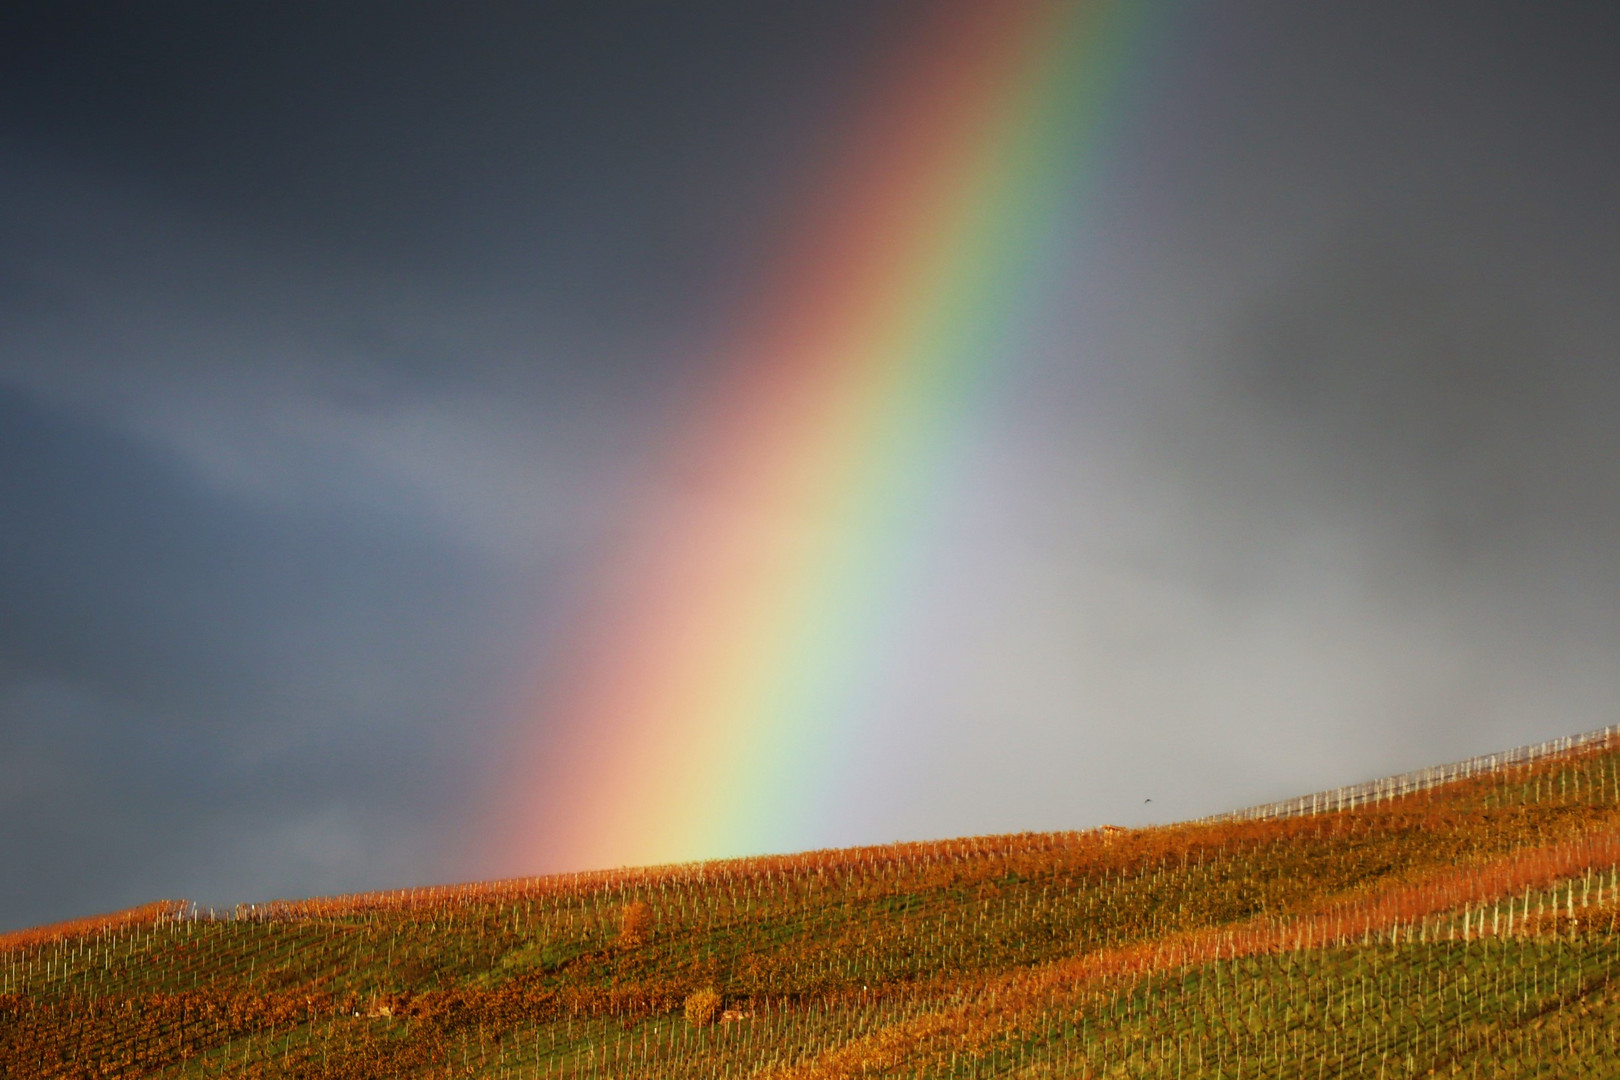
(1389, 787)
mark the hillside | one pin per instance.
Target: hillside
(1461, 921)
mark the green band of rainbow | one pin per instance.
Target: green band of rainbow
(717, 670)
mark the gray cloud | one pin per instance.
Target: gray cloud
(336, 343)
(330, 344)
(1311, 475)
(183, 677)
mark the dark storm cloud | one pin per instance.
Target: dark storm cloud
(1430, 352)
(1388, 403)
(1408, 408)
(327, 333)
(1425, 386)
(333, 337)
(187, 685)
(610, 148)
(1315, 476)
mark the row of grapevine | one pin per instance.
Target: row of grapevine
(1372, 792)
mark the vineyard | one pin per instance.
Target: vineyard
(1460, 922)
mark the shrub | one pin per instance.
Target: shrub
(703, 1007)
(635, 924)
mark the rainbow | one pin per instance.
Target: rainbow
(713, 677)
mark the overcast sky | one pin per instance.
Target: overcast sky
(332, 338)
